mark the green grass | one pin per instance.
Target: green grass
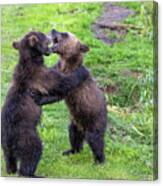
(127, 65)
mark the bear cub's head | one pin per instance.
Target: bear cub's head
(33, 43)
(67, 45)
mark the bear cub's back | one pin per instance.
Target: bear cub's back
(87, 100)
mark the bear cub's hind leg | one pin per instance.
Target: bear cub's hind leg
(95, 139)
(76, 137)
(30, 157)
(11, 163)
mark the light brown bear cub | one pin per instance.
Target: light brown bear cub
(86, 103)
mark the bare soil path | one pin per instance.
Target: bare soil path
(109, 27)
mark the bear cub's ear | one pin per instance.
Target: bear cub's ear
(33, 40)
(16, 45)
(84, 48)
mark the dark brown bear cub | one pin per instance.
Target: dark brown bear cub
(20, 114)
(86, 104)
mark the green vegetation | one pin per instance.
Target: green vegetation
(125, 67)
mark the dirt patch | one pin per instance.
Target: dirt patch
(132, 73)
(110, 89)
(109, 27)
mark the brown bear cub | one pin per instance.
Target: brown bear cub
(20, 114)
(86, 103)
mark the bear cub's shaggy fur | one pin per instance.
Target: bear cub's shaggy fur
(20, 114)
(86, 104)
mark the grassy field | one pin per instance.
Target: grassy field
(125, 67)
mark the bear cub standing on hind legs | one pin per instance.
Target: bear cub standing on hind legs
(86, 103)
(20, 114)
